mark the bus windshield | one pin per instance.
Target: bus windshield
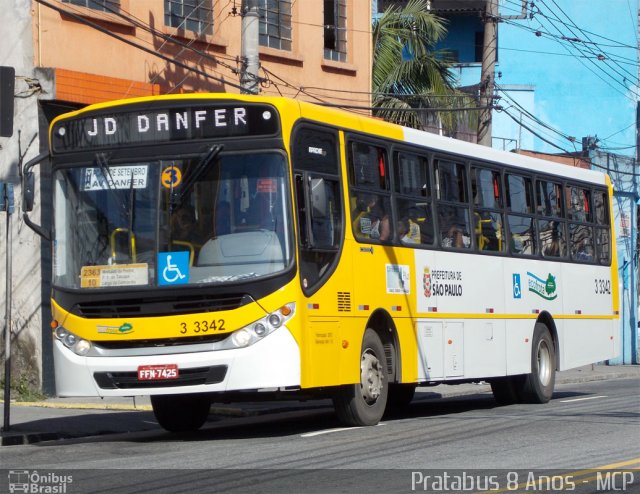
(212, 218)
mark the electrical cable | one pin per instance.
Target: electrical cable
(632, 76)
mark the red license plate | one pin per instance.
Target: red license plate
(157, 372)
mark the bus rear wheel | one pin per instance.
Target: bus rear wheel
(537, 387)
(364, 403)
(181, 413)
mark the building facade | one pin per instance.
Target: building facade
(70, 53)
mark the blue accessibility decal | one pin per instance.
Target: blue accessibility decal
(517, 287)
(173, 268)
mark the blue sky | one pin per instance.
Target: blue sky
(575, 93)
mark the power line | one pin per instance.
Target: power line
(607, 74)
(587, 45)
(531, 116)
(602, 56)
(519, 122)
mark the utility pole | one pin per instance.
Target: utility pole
(250, 55)
(487, 77)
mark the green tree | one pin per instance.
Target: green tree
(408, 73)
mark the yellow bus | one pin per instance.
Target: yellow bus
(216, 247)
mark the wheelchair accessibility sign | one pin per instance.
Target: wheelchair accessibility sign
(517, 287)
(173, 268)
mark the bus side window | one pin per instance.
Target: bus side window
(581, 247)
(414, 223)
(486, 188)
(522, 238)
(454, 224)
(552, 238)
(549, 198)
(601, 219)
(369, 196)
(581, 242)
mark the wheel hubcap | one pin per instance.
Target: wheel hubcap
(544, 363)
(370, 377)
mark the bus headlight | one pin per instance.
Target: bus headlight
(74, 343)
(259, 329)
(82, 347)
(241, 338)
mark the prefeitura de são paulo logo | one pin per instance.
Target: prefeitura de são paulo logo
(426, 282)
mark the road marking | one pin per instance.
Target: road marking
(583, 399)
(330, 431)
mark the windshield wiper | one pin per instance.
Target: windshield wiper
(205, 160)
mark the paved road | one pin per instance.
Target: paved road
(59, 418)
(587, 425)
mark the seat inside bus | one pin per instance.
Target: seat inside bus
(240, 254)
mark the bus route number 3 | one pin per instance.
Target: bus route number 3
(603, 286)
(198, 327)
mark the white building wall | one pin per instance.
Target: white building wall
(27, 325)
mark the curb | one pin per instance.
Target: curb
(82, 406)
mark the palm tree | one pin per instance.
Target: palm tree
(408, 73)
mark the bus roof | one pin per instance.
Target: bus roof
(359, 123)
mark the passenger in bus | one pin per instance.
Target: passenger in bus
(408, 231)
(553, 247)
(451, 231)
(371, 221)
(185, 228)
(488, 231)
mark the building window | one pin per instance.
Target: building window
(102, 5)
(190, 15)
(275, 23)
(335, 30)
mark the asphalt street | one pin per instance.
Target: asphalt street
(62, 418)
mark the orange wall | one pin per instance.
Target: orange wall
(62, 42)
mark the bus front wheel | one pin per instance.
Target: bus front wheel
(364, 403)
(181, 413)
(537, 387)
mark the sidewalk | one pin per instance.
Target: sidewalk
(62, 418)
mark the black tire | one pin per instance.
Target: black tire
(364, 403)
(181, 413)
(400, 395)
(537, 387)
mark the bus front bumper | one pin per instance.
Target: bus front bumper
(273, 362)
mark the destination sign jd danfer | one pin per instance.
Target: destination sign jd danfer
(163, 125)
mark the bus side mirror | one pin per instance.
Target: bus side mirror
(28, 186)
(28, 193)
